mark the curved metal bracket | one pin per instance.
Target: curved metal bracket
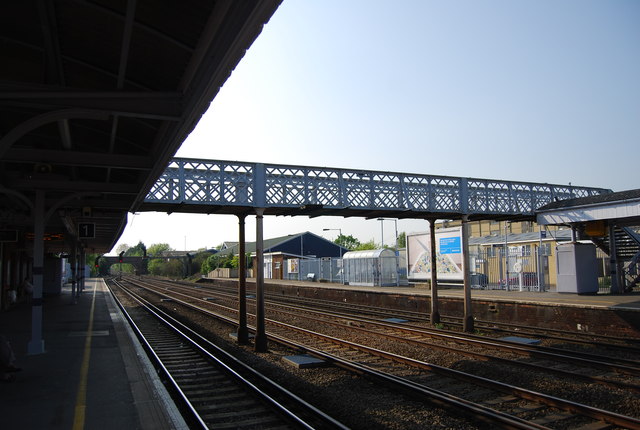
(37, 121)
(18, 195)
(62, 201)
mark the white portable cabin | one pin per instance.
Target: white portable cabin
(375, 267)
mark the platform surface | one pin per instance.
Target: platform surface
(630, 301)
(117, 390)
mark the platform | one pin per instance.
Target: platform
(630, 301)
(122, 390)
(604, 314)
(118, 389)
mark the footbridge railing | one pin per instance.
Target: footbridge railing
(213, 186)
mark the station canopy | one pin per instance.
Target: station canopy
(622, 208)
(97, 96)
(611, 221)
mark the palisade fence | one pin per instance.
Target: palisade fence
(523, 269)
(339, 270)
(326, 268)
(519, 269)
(488, 270)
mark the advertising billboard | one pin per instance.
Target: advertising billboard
(449, 261)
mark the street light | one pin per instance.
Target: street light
(382, 229)
(340, 231)
(382, 220)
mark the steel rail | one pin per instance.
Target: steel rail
(432, 396)
(573, 357)
(231, 365)
(457, 321)
(567, 405)
(617, 365)
(520, 329)
(156, 359)
(482, 356)
(504, 345)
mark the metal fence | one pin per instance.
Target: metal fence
(331, 270)
(528, 269)
(328, 269)
(521, 268)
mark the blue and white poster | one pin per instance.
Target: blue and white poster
(450, 245)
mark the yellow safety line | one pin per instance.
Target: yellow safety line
(81, 398)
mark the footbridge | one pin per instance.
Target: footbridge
(231, 187)
(240, 188)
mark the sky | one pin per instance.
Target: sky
(536, 91)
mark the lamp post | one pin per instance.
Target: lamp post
(382, 230)
(395, 247)
(340, 231)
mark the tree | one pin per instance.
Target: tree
(402, 240)
(137, 251)
(90, 260)
(123, 247)
(160, 266)
(157, 249)
(216, 261)
(172, 268)
(199, 260)
(348, 242)
(156, 266)
(367, 245)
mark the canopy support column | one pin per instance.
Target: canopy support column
(73, 266)
(613, 260)
(81, 266)
(36, 344)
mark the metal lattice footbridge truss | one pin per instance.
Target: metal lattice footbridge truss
(230, 187)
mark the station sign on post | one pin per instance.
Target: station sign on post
(86, 230)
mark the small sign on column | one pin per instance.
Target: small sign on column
(86, 230)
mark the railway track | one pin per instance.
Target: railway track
(515, 406)
(216, 390)
(614, 343)
(613, 351)
(617, 373)
(508, 404)
(613, 372)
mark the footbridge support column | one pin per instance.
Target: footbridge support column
(467, 324)
(435, 312)
(243, 332)
(261, 336)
